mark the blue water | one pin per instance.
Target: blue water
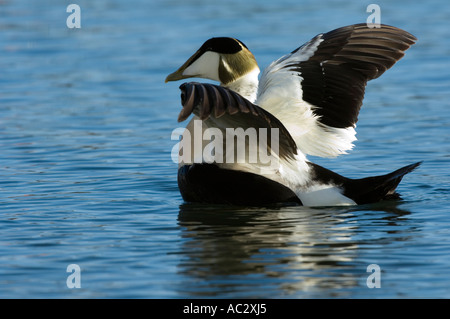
(86, 175)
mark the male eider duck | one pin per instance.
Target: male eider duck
(308, 100)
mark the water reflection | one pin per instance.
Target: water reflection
(290, 249)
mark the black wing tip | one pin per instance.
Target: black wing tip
(377, 188)
(209, 100)
(344, 35)
(187, 101)
(394, 180)
(407, 169)
(210, 96)
(335, 76)
(376, 27)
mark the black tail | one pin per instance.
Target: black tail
(377, 188)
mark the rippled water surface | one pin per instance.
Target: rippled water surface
(86, 175)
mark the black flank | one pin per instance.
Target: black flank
(207, 183)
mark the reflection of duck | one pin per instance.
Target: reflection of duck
(311, 97)
(232, 252)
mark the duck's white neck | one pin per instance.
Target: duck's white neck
(247, 85)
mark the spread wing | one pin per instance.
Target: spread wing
(316, 91)
(222, 108)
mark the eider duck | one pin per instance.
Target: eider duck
(305, 103)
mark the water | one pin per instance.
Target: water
(86, 176)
